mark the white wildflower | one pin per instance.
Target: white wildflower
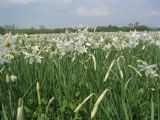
(34, 56)
(8, 42)
(148, 69)
(13, 78)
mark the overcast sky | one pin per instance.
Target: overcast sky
(68, 13)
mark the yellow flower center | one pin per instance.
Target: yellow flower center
(7, 44)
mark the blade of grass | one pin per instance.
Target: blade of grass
(109, 69)
(20, 114)
(93, 113)
(4, 113)
(82, 103)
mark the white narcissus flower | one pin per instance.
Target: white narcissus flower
(80, 36)
(2, 60)
(5, 57)
(34, 56)
(81, 49)
(132, 43)
(7, 48)
(8, 41)
(107, 46)
(157, 42)
(101, 39)
(65, 46)
(88, 44)
(13, 78)
(148, 69)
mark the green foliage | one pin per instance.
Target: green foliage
(43, 30)
(130, 96)
(2, 30)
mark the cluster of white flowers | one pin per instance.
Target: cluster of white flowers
(32, 46)
(133, 39)
(72, 45)
(34, 56)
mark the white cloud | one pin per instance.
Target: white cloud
(20, 2)
(92, 12)
(65, 1)
(153, 13)
(25, 2)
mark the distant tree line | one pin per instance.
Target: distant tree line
(109, 28)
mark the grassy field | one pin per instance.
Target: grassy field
(80, 76)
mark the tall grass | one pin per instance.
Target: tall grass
(54, 88)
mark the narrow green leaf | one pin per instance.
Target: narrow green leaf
(94, 62)
(93, 113)
(152, 109)
(4, 113)
(109, 69)
(50, 101)
(81, 104)
(20, 114)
